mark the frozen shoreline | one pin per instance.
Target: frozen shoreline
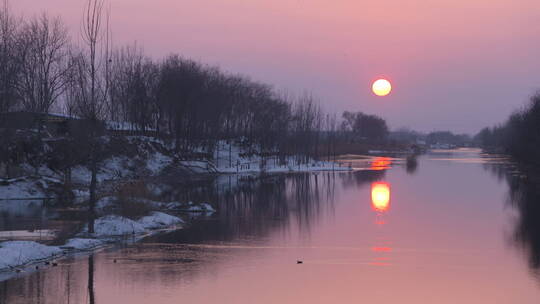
(150, 158)
(23, 256)
(42, 183)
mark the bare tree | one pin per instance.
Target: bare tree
(89, 86)
(331, 136)
(133, 92)
(90, 77)
(307, 117)
(9, 27)
(42, 51)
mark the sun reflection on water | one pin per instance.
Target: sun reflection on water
(380, 203)
(380, 196)
(381, 163)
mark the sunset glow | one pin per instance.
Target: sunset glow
(380, 196)
(381, 163)
(321, 151)
(382, 87)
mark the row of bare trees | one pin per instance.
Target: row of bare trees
(40, 67)
(518, 136)
(193, 104)
(33, 62)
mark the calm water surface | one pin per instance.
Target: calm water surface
(452, 227)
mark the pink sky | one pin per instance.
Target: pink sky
(454, 64)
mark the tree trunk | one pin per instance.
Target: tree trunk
(91, 292)
(92, 202)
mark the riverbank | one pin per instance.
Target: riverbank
(19, 256)
(127, 209)
(139, 158)
(131, 210)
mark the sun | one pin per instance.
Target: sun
(381, 87)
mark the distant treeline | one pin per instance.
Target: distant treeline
(405, 135)
(42, 71)
(519, 136)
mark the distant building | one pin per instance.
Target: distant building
(22, 120)
(128, 129)
(60, 124)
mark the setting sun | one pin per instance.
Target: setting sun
(381, 87)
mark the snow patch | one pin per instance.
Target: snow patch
(111, 169)
(204, 207)
(157, 162)
(21, 189)
(113, 225)
(83, 244)
(106, 202)
(16, 253)
(158, 220)
(232, 158)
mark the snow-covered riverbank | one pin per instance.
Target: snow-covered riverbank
(147, 157)
(118, 177)
(19, 256)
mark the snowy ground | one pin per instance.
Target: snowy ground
(22, 188)
(83, 244)
(16, 253)
(153, 157)
(16, 256)
(231, 159)
(109, 203)
(114, 225)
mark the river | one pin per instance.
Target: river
(448, 227)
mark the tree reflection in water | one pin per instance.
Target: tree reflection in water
(91, 292)
(411, 164)
(524, 196)
(249, 210)
(257, 207)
